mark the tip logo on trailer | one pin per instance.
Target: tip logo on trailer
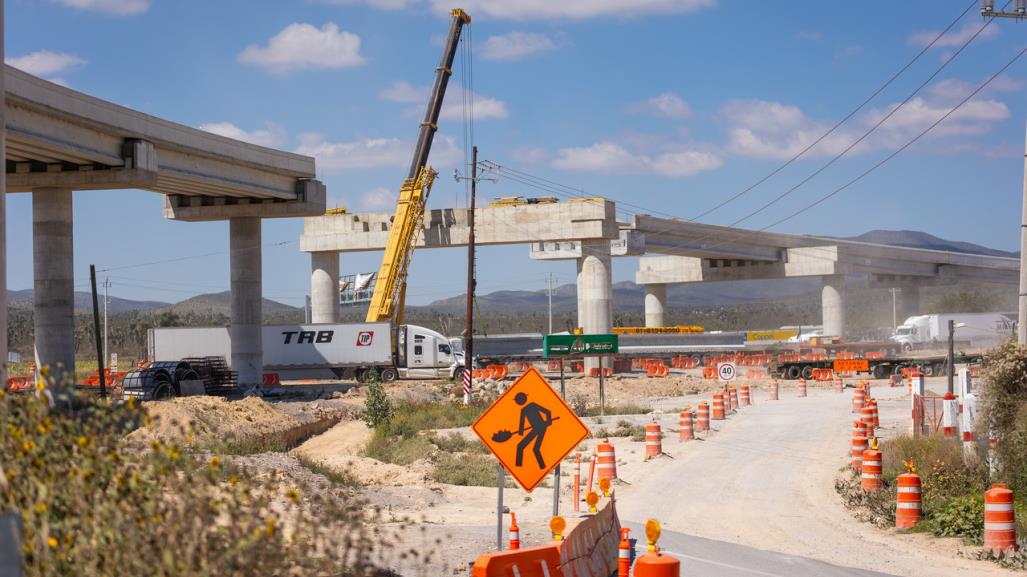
(365, 338)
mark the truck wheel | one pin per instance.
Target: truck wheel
(163, 391)
(794, 372)
(897, 369)
(929, 370)
(389, 374)
(807, 372)
(907, 347)
(360, 375)
(879, 372)
(458, 374)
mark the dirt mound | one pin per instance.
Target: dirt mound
(206, 420)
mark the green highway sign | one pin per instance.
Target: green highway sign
(578, 345)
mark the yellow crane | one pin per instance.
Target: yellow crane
(390, 290)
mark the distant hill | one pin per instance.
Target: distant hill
(84, 301)
(917, 239)
(220, 303)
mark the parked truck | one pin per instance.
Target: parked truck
(979, 330)
(324, 350)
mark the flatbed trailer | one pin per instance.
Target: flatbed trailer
(879, 368)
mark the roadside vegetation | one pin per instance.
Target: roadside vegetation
(94, 503)
(953, 480)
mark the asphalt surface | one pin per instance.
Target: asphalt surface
(709, 558)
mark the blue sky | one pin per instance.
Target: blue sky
(671, 105)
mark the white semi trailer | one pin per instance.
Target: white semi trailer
(323, 350)
(979, 329)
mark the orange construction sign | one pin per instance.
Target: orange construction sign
(530, 429)
(851, 366)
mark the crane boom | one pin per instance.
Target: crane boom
(390, 290)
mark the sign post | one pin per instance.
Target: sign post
(530, 429)
(583, 346)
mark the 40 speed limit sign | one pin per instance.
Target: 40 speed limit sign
(726, 371)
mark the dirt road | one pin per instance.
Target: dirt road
(765, 480)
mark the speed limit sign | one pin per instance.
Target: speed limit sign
(726, 371)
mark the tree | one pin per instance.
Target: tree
(377, 406)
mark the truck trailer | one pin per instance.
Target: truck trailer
(325, 351)
(978, 330)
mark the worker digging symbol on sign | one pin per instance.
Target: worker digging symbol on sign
(539, 418)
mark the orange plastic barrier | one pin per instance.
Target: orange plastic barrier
(702, 417)
(685, 426)
(870, 478)
(872, 355)
(709, 372)
(660, 370)
(272, 379)
(859, 398)
(15, 384)
(606, 461)
(756, 373)
(541, 561)
(907, 501)
(823, 374)
(859, 444)
(718, 406)
(653, 440)
(999, 519)
(657, 565)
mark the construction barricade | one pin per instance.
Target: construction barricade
(685, 425)
(999, 519)
(653, 440)
(907, 501)
(606, 461)
(702, 417)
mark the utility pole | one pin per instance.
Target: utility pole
(96, 333)
(1021, 321)
(894, 311)
(106, 301)
(549, 281)
(469, 331)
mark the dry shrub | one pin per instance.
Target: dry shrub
(92, 504)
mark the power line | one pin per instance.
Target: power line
(195, 256)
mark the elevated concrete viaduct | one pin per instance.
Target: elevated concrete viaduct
(586, 231)
(60, 140)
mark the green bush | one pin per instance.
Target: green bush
(468, 470)
(959, 517)
(377, 406)
(94, 504)
(1003, 406)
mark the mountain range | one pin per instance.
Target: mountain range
(626, 295)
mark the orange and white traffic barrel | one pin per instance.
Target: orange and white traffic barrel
(606, 461)
(877, 416)
(859, 428)
(870, 478)
(866, 414)
(859, 444)
(624, 553)
(515, 532)
(859, 398)
(702, 417)
(773, 389)
(907, 501)
(839, 385)
(733, 395)
(802, 387)
(718, 406)
(653, 440)
(999, 519)
(685, 425)
(744, 397)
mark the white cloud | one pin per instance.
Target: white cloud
(300, 45)
(485, 107)
(953, 37)
(378, 199)
(379, 4)
(573, 10)
(612, 158)
(848, 52)
(668, 105)
(402, 91)
(530, 154)
(45, 62)
(809, 35)
(273, 136)
(119, 7)
(516, 45)
(372, 152)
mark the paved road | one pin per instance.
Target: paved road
(708, 558)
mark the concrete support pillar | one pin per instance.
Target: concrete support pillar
(246, 297)
(909, 303)
(53, 267)
(655, 304)
(595, 290)
(324, 287)
(833, 301)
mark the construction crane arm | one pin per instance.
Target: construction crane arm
(390, 291)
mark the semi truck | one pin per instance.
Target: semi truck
(979, 329)
(324, 351)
